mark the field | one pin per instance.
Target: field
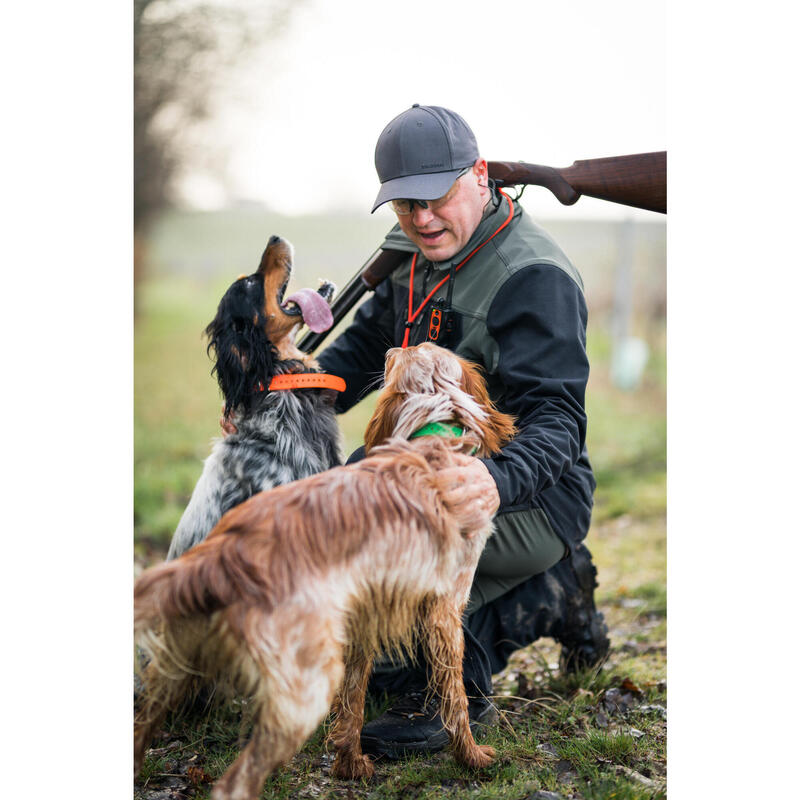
(595, 735)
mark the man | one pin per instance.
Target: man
(485, 281)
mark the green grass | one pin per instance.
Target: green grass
(553, 733)
(552, 742)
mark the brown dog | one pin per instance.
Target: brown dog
(296, 590)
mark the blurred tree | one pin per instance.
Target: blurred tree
(184, 51)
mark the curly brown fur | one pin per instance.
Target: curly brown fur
(295, 591)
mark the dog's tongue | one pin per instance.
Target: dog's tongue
(316, 312)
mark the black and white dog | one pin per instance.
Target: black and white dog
(275, 396)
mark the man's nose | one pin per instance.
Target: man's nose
(421, 216)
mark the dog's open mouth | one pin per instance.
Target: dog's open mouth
(313, 307)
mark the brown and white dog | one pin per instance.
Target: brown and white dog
(295, 591)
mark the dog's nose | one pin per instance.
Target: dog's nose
(273, 240)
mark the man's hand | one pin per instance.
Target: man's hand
(469, 492)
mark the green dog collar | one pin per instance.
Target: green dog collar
(440, 429)
(437, 429)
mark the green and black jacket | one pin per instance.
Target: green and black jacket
(517, 310)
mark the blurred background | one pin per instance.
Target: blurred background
(543, 82)
(260, 118)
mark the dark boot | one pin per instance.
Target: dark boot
(557, 603)
(412, 723)
(583, 633)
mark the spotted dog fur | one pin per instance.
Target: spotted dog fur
(282, 435)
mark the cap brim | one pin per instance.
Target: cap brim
(417, 187)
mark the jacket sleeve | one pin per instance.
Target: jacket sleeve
(358, 354)
(538, 319)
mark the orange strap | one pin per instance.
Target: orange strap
(412, 315)
(306, 380)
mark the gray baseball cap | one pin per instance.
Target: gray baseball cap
(420, 153)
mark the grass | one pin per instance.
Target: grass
(556, 732)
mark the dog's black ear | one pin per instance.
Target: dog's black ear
(245, 357)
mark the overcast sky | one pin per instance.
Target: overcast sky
(541, 82)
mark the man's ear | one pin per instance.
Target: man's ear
(481, 170)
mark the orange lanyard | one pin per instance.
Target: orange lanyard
(412, 315)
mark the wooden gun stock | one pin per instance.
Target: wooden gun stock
(638, 180)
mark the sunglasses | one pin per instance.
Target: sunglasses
(403, 206)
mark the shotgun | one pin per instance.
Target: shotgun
(638, 180)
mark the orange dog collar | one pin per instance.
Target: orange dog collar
(306, 380)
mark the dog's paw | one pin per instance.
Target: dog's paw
(352, 768)
(479, 756)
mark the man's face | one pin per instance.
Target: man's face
(442, 230)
